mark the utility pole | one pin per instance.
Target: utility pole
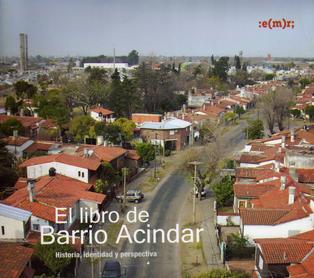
(125, 172)
(15, 135)
(195, 163)
(155, 159)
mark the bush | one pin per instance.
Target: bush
(167, 152)
(223, 273)
(146, 151)
(224, 192)
(238, 247)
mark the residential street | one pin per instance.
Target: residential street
(165, 204)
(164, 210)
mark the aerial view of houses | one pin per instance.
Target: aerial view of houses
(156, 139)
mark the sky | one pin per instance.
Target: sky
(156, 27)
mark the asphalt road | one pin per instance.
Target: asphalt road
(164, 210)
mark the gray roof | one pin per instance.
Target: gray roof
(15, 213)
(170, 123)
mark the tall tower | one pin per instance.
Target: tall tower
(23, 52)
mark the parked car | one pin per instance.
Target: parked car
(132, 195)
(112, 269)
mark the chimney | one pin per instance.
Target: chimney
(31, 189)
(293, 173)
(183, 108)
(8, 113)
(277, 166)
(283, 141)
(204, 107)
(291, 195)
(86, 152)
(35, 115)
(292, 135)
(283, 180)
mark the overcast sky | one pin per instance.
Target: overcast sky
(162, 27)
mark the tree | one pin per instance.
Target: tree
(156, 89)
(10, 125)
(131, 96)
(47, 254)
(269, 76)
(52, 107)
(239, 110)
(110, 132)
(24, 89)
(275, 107)
(237, 62)
(224, 191)
(281, 106)
(70, 65)
(11, 105)
(8, 175)
(126, 128)
(109, 175)
(304, 82)
(207, 133)
(309, 111)
(116, 96)
(296, 113)
(146, 151)
(133, 58)
(255, 130)
(82, 126)
(97, 74)
(221, 68)
(240, 78)
(230, 116)
(100, 186)
(84, 94)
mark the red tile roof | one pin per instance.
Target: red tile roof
(26, 122)
(304, 269)
(67, 159)
(14, 259)
(283, 250)
(143, 117)
(258, 216)
(256, 158)
(103, 153)
(132, 154)
(305, 175)
(18, 141)
(104, 111)
(253, 190)
(20, 183)
(52, 192)
(279, 199)
(39, 146)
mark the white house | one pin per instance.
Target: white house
(80, 168)
(14, 223)
(274, 223)
(17, 145)
(101, 114)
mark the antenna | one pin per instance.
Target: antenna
(114, 59)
